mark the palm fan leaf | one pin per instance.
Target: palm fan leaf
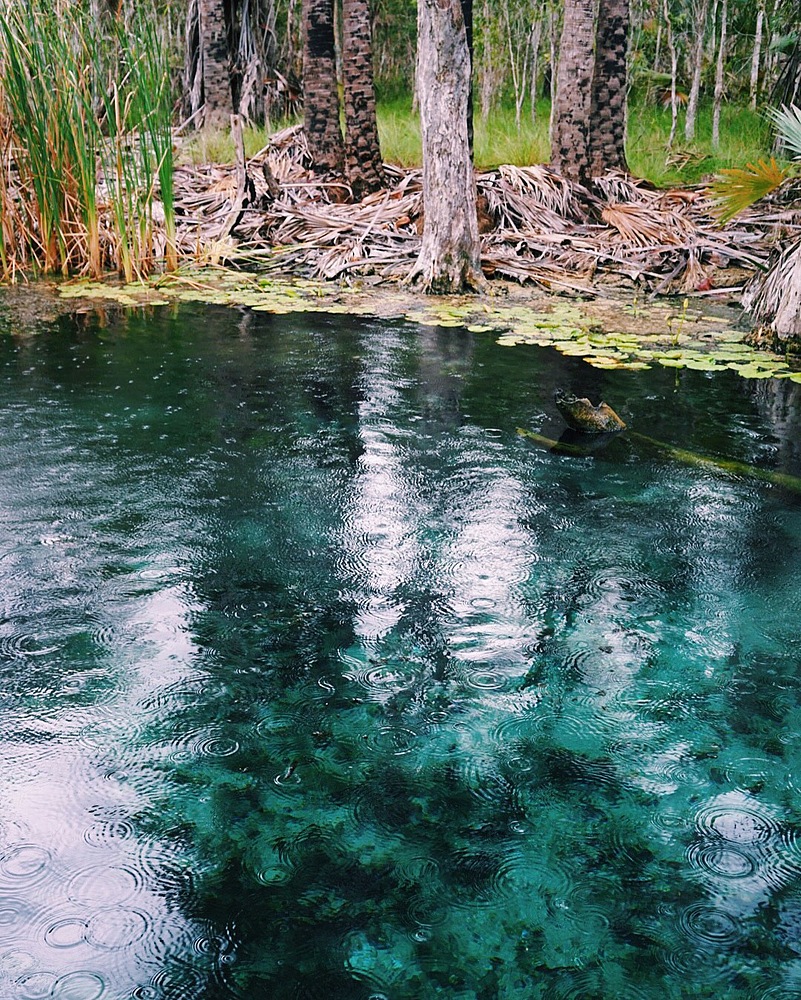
(788, 124)
(734, 190)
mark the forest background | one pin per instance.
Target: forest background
(101, 101)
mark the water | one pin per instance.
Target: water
(320, 681)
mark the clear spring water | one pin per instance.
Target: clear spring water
(319, 681)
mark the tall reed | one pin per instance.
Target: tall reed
(88, 110)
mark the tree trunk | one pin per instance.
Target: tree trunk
(320, 91)
(753, 90)
(365, 167)
(610, 86)
(553, 45)
(535, 41)
(701, 9)
(215, 61)
(570, 146)
(721, 63)
(467, 14)
(674, 72)
(449, 260)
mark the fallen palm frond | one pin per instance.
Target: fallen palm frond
(774, 296)
(644, 225)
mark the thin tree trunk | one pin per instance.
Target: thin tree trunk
(449, 259)
(320, 93)
(753, 90)
(365, 167)
(719, 68)
(536, 41)
(553, 43)
(674, 71)
(215, 60)
(570, 143)
(487, 73)
(658, 47)
(701, 9)
(467, 14)
(609, 89)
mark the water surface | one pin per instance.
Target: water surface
(319, 681)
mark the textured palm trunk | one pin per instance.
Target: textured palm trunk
(610, 83)
(449, 260)
(320, 91)
(570, 137)
(362, 149)
(215, 61)
(701, 14)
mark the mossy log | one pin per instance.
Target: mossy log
(581, 415)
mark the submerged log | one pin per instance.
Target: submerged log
(581, 415)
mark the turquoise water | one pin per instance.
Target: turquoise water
(319, 681)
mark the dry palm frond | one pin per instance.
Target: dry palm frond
(546, 188)
(643, 226)
(618, 187)
(774, 297)
(734, 190)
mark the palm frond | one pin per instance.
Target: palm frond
(734, 190)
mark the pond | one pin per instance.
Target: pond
(320, 680)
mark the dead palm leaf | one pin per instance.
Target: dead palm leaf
(643, 226)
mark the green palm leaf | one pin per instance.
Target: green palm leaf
(787, 120)
(736, 189)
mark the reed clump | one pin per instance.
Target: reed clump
(86, 141)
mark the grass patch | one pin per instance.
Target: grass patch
(215, 145)
(745, 137)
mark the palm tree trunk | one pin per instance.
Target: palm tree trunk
(320, 91)
(449, 256)
(365, 167)
(570, 146)
(610, 86)
(215, 60)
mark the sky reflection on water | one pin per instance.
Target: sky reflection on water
(320, 681)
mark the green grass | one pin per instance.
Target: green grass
(745, 137)
(66, 118)
(215, 145)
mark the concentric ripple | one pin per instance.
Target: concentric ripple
(24, 864)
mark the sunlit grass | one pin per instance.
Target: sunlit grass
(745, 136)
(216, 145)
